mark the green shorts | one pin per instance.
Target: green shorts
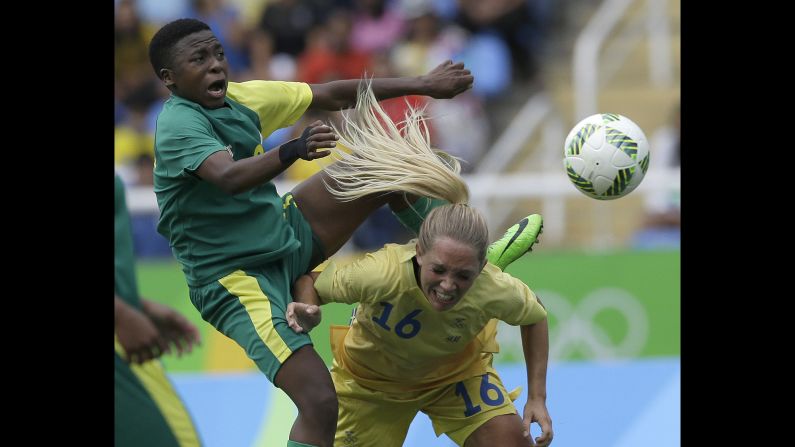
(248, 305)
(147, 409)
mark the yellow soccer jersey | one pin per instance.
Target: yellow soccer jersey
(397, 341)
(279, 104)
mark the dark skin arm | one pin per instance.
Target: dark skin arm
(303, 313)
(173, 327)
(238, 176)
(149, 334)
(535, 344)
(443, 82)
(137, 334)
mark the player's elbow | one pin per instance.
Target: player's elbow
(223, 173)
(228, 183)
(331, 104)
(330, 97)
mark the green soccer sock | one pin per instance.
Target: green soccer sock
(412, 216)
(298, 444)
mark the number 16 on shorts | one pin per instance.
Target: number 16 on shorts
(490, 394)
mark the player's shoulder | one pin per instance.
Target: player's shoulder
(399, 252)
(491, 277)
(242, 91)
(175, 106)
(389, 263)
(178, 111)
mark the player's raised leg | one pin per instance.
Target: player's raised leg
(518, 240)
(305, 379)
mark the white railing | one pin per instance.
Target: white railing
(491, 193)
(585, 64)
(512, 140)
(485, 188)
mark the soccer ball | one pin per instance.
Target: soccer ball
(606, 156)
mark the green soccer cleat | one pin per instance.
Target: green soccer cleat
(518, 240)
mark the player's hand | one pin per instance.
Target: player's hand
(174, 329)
(536, 411)
(318, 136)
(138, 336)
(306, 147)
(302, 317)
(447, 80)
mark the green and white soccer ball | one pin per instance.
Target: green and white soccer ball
(606, 156)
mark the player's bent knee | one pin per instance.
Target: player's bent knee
(307, 381)
(325, 407)
(504, 430)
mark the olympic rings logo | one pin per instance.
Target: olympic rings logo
(577, 331)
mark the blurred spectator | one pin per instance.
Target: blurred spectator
(396, 108)
(131, 141)
(376, 26)
(225, 23)
(461, 128)
(460, 125)
(428, 42)
(329, 56)
(431, 40)
(134, 79)
(160, 12)
(512, 21)
(249, 11)
(264, 63)
(144, 166)
(119, 112)
(288, 22)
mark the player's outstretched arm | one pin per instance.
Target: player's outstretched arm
(443, 82)
(303, 313)
(535, 344)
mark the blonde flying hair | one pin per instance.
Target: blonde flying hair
(459, 222)
(386, 157)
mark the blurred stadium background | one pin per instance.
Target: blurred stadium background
(608, 271)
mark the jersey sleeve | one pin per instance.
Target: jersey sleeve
(278, 104)
(516, 304)
(126, 286)
(184, 140)
(353, 282)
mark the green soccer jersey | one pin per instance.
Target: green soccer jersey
(212, 233)
(126, 286)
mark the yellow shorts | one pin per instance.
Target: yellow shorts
(368, 417)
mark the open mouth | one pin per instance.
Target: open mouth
(217, 89)
(443, 299)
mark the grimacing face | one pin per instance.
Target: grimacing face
(447, 271)
(199, 70)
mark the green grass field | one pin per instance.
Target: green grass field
(650, 279)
